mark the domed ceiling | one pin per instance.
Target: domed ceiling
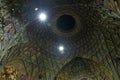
(74, 39)
(82, 69)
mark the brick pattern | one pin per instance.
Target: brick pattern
(36, 47)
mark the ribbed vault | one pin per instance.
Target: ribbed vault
(83, 69)
(34, 46)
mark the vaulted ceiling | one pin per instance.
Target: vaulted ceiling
(79, 41)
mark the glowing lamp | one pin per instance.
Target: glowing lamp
(42, 16)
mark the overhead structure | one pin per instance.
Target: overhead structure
(60, 39)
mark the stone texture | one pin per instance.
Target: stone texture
(34, 46)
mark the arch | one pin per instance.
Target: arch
(81, 68)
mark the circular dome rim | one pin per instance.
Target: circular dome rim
(66, 11)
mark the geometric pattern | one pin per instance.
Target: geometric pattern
(91, 50)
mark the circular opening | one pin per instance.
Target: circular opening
(65, 23)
